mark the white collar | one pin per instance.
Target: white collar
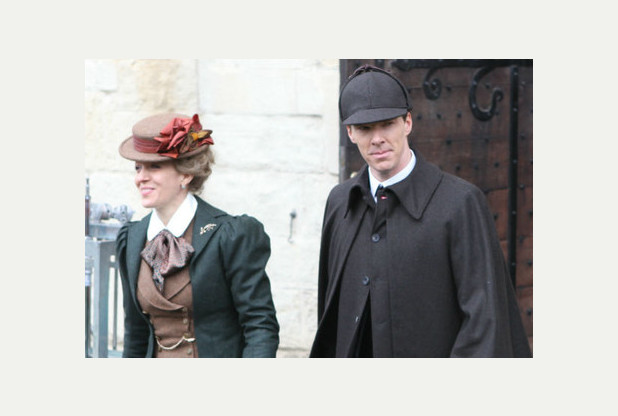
(179, 221)
(401, 175)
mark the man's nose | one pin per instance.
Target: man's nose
(377, 136)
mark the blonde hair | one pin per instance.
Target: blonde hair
(199, 166)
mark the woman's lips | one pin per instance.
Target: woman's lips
(146, 191)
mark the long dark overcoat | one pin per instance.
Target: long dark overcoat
(449, 289)
(234, 314)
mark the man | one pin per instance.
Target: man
(410, 263)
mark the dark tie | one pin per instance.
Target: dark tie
(381, 206)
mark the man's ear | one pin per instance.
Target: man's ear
(349, 129)
(408, 123)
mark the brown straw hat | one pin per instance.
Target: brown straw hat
(166, 136)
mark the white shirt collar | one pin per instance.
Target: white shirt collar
(179, 221)
(401, 175)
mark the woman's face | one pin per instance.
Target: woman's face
(159, 184)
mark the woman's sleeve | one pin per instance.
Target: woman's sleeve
(246, 249)
(136, 331)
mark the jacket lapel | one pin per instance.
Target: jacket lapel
(207, 222)
(174, 285)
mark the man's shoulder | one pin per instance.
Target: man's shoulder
(457, 185)
(340, 193)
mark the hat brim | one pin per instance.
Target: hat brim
(373, 115)
(127, 150)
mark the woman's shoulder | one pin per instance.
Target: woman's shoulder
(127, 226)
(124, 230)
(232, 224)
(242, 225)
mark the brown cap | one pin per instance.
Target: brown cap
(164, 137)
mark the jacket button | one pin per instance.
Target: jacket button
(356, 319)
(366, 280)
(375, 238)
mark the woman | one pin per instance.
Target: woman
(193, 277)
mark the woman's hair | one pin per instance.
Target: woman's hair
(199, 166)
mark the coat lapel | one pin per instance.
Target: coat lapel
(348, 226)
(207, 222)
(418, 188)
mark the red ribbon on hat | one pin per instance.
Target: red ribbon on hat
(181, 135)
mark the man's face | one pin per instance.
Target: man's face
(383, 145)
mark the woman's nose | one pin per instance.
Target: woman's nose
(141, 175)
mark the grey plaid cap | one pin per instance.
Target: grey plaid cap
(372, 96)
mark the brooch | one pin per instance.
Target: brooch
(207, 228)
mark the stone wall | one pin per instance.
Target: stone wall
(275, 128)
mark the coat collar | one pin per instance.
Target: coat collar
(178, 223)
(414, 192)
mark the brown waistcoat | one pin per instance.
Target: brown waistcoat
(170, 311)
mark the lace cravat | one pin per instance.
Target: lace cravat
(166, 255)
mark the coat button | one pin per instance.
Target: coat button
(366, 280)
(356, 319)
(375, 238)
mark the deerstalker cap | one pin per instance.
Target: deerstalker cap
(372, 95)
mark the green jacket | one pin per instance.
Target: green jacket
(234, 314)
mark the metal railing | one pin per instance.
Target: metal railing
(101, 275)
(100, 265)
